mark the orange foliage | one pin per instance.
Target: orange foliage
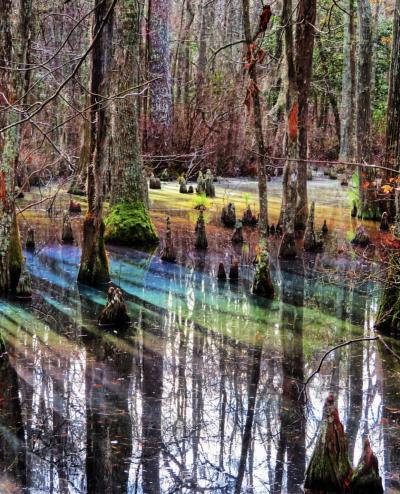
(252, 88)
(265, 17)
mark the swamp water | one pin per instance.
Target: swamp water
(203, 393)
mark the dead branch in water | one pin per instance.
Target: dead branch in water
(346, 343)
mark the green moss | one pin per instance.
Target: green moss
(16, 256)
(130, 224)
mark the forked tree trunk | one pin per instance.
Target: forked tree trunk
(128, 221)
(94, 264)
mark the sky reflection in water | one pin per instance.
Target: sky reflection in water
(201, 394)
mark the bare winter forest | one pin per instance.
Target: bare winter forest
(199, 246)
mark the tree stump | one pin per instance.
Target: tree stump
(209, 184)
(384, 226)
(310, 240)
(249, 219)
(168, 252)
(67, 236)
(228, 215)
(366, 477)
(329, 469)
(287, 249)
(74, 207)
(201, 184)
(234, 270)
(115, 312)
(201, 237)
(237, 237)
(221, 272)
(262, 283)
(24, 287)
(164, 177)
(361, 238)
(155, 183)
(30, 240)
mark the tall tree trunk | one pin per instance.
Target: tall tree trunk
(289, 192)
(305, 32)
(348, 84)
(159, 69)
(392, 152)
(258, 125)
(128, 221)
(10, 244)
(368, 206)
(94, 263)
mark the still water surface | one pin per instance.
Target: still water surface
(201, 394)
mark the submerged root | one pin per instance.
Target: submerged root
(115, 312)
(24, 287)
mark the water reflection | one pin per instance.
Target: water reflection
(203, 393)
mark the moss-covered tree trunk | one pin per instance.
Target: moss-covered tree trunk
(10, 244)
(128, 221)
(94, 264)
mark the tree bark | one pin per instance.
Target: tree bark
(258, 126)
(128, 221)
(159, 68)
(348, 84)
(289, 184)
(10, 244)
(304, 57)
(392, 152)
(368, 205)
(94, 264)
